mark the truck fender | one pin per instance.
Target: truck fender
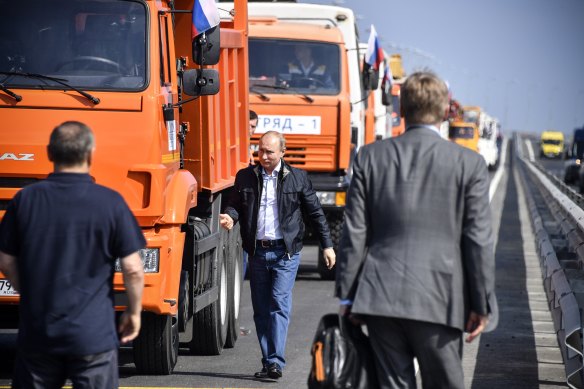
(180, 197)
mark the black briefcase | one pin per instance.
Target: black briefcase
(341, 356)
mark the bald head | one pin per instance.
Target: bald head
(71, 144)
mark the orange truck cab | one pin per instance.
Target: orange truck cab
(464, 134)
(170, 133)
(398, 125)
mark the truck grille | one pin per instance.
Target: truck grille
(16, 182)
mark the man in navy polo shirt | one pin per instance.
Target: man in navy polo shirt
(59, 240)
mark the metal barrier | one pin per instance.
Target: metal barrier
(563, 277)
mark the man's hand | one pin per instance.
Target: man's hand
(226, 221)
(475, 325)
(129, 326)
(329, 257)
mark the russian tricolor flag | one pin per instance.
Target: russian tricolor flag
(205, 16)
(374, 54)
(387, 77)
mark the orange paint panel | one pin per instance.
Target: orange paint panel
(163, 285)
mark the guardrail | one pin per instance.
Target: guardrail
(560, 247)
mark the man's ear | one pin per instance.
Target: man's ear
(446, 113)
(49, 155)
(90, 156)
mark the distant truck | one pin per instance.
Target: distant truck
(397, 70)
(465, 134)
(574, 156)
(488, 146)
(551, 144)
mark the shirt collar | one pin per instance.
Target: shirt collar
(426, 126)
(70, 177)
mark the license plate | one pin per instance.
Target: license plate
(6, 288)
(304, 125)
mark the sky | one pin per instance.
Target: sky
(522, 61)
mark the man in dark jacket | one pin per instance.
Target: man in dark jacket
(269, 200)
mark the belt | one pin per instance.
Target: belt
(270, 243)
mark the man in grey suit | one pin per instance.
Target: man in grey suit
(416, 260)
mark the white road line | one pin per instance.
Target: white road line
(530, 150)
(500, 170)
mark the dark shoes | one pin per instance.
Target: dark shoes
(273, 371)
(262, 373)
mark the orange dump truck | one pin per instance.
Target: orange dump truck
(123, 68)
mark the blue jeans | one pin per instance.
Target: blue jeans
(272, 276)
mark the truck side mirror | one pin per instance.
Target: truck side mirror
(386, 98)
(201, 82)
(206, 47)
(370, 79)
(374, 79)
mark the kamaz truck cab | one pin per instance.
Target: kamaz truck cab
(169, 114)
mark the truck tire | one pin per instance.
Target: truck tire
(184, 301)
(156, 348)
(235, 285)
(335, 221)
(210, 323)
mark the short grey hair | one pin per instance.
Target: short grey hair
(278, 135)
(70, 143)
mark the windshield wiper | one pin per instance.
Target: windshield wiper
(10, 93)
(287, 87)
(262, 96)
(60, 81)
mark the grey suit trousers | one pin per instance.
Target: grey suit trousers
(396, 342)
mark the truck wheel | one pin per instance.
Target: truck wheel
(235, 285)
(184, 301)
(335, 222)
(156, 348)
(210, 323)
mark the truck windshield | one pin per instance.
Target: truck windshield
(471, 117)
(553, 142)
(99, 45)
(305, 67)
(461, 133)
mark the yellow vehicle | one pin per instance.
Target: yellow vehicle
(551, 144)
(465, 134)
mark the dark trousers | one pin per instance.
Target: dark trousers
(437, 348)
(46, 371)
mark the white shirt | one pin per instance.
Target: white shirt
(428, 126)
(268, 223)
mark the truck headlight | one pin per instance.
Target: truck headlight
(332, 198)
(150, 259)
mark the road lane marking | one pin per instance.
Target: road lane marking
(530, 150)
(499, 173)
